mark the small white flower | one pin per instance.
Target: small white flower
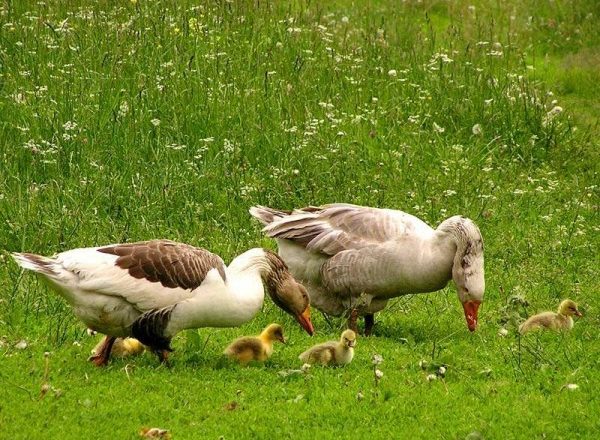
(378, 374)
(571, 386)
(438, 129)
(488, 102)
(423, 364)
(431, 377)
(344, 20)
(296, 172)
(441, 371)
(476, 129)
(555, 111)
(21, 345)
(502, 332)
(392, 73)
(377, 359)
(155, 122)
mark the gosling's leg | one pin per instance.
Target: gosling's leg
(100, 358)
(369, 324)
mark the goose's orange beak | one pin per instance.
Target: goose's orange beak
(471, 307)
(304, 320)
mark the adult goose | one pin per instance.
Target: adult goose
(151, 290)
(353, 259)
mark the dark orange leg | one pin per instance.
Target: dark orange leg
(163, 356)
(100, 359)
(352, 320)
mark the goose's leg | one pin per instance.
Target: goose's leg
(100, 358)
(352, 318)
(369, 323)
(163, 356)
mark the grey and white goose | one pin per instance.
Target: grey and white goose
(152, 290)
(353, 259)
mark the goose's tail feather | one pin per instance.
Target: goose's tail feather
(37, 263)
(267, 215)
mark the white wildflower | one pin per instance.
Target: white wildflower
(438, 129)
(502, 332)
(70, 125)
(392, 73)
(345, 20)
(378, 374)
(377, 359)
(123, 109)
(476, 129)
(449, 192)
(571, 386)
(21, 345)
(488, 102)
(431, 377)
(155, 122)
(441, 371)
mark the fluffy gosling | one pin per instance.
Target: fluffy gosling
(332, 352)
(255, 348)
(563, 320)
(122, 347)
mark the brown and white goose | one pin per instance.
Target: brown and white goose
(151, 290)
(353, 259)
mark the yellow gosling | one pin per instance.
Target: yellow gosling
(332, 352)
(562, 320)
(255, 348)
(123, 347)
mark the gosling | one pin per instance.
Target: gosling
(123, 347)
(255, 348)
(332, 352)
(563, 320)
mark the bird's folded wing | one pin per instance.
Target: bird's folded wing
(330, 229)
(149, 274)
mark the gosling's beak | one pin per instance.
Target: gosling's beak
(578, 313)
(283, 340)
(351, 344)
(471, 308)
(304, 320)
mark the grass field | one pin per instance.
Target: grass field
(124, 121)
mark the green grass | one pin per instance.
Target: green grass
(130, 121)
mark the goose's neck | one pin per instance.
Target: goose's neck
(467, 267)
(267, 264)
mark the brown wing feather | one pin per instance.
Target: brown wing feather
(170, 263)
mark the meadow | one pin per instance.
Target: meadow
(132, 120)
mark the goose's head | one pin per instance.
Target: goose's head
(287, 293)
(273, 332)
(348, 339)
(467, 268)
(568, 308)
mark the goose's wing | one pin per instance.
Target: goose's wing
(148, 275)
(333, 228)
